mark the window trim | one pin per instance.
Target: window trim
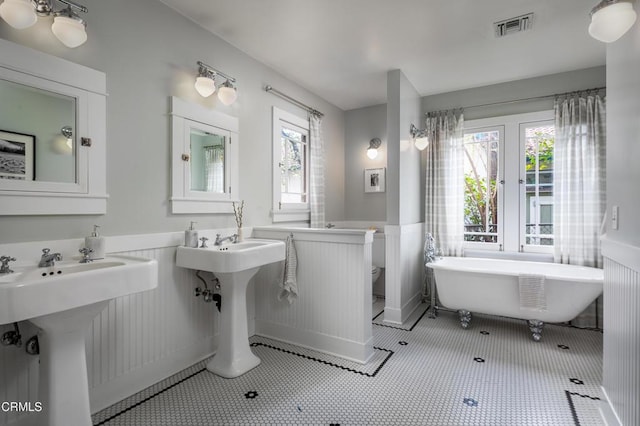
(511, 212)
(288, 212)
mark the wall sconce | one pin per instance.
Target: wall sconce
(611, 19)
(206, 84)
(374, 144)
(420, 137)
(63, 142)
(67, 26)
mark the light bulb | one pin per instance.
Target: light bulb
(421, 143)
(71, 32)
(205, 86)
(227, 93)
(372, 153)
(19, 14)
(611, 22)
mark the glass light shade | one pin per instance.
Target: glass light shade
(19, 14)
(205, 86)
(62, 145)
(421, 143)
(611, 22)
(71, 32)
(227, 95)
(372, 153)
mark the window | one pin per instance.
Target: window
(291, 167)
(508, 178)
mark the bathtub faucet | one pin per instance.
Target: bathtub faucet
(430, 248)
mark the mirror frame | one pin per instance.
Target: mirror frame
(184, 116)
(88, 194)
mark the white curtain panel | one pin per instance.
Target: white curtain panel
(444, 190)
(316, 174)
(579, 201)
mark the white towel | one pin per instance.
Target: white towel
(532, 294)
(289, 281)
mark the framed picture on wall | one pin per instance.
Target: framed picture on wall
(17, 156)
(374, 180)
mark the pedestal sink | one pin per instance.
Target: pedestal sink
(63, 300)
(234, 265)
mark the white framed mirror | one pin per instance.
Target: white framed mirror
(52, 135)
(204, 152)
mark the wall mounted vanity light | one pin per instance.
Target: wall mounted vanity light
(206, 84)
(62, 143)
(611, 19)
(420, 137)
(67, 26)
(374, 144)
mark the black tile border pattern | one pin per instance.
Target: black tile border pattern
(402, 328)
(572, 407)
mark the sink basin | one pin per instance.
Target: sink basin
(234, 265)
(31, 291)
(63, 300)
(230, 257)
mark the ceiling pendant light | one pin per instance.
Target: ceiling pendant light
(69, 28)
(19, 14)
(227, 93)
(611, 19)
(206, 84)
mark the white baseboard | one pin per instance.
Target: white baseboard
(128, 384)
(399, 316)
(607, 412)
(331, 345)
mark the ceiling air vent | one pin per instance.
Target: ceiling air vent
(513, 25)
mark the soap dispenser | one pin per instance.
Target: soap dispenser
(191, 237)
(95, 242)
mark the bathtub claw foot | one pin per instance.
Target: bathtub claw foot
(536, 329)
(465, 318)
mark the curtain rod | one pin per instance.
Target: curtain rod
(534, 98)
(276, 92)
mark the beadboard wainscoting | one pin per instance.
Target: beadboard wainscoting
(404, 270)
(621, 370)
(332, 313)
(136, 341)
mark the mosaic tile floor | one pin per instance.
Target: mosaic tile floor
(425, 372)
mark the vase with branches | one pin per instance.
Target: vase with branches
(237, 212)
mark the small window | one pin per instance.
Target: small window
(291, 167)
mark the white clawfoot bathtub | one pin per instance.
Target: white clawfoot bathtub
(491, 286)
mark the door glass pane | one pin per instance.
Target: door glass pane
(538, 157)
(481, 192)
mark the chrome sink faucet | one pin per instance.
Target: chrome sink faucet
(4, 264)
(218, 242)
(48, 259)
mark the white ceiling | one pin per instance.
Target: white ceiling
(342, 49)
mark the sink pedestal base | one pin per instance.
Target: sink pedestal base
(64, 387)
(233, 357)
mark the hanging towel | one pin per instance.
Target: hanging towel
(289, 284)
(532, 295)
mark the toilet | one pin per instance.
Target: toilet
(375, 274)
(377, 261)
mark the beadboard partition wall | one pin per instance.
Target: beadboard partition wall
(621, 381)
(404, 271)
(136, 341)
(332, 313)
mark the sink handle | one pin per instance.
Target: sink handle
(204, 242)
(86, 253)
(4, 264)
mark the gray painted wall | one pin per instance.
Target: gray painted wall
(515, 90)
(149, 53)
(362, 125)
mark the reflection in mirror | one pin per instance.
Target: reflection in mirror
(33, 144)
(207, 161)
